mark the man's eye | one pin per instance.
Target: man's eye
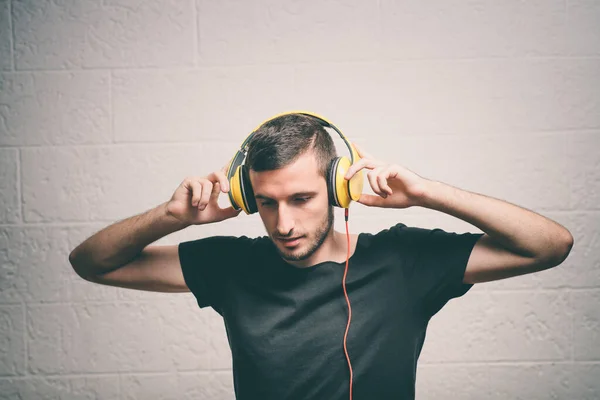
(297, 199)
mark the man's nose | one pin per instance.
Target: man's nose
(285, 221)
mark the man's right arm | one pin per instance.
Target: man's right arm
(120, 255)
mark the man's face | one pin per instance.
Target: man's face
(293, 204)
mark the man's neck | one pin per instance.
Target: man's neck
(334, 248)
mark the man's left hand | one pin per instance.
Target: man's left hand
(396, 186)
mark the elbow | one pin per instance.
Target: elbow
(74, 261)
(567, 245)
(79, 267)
(562, 249)
(75, 265)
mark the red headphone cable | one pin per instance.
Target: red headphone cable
(347, 300)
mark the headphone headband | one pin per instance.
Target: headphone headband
(241, 153)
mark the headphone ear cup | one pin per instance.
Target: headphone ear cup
(331, 186)
(342, 186)
(246, 190)
(235, 191)
(355, 185)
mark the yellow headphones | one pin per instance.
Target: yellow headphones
(341, 191)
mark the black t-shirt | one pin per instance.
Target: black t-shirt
(285, 325)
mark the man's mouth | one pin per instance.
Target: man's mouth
(290, 242)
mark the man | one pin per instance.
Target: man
(281, 295)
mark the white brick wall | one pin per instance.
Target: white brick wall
(106, 106)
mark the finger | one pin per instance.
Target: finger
(360, 164)
(371, 200)
(229, 212)
(382, 180)
(196, 190)
(222, 179)
(372, 176)
(214, 194)
(207, 187)
(361, 152)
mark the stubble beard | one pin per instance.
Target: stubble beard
(321, 234)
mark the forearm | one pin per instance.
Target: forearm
(122, 241)
(519, 230)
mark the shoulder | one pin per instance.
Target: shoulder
(402, 236)
(396, 231)
(412, 232)
(226, 245)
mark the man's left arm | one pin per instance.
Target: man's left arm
(516, 241)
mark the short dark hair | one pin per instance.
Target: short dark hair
(280, 141)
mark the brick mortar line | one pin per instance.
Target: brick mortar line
(496, 134)
(84, 224)
(353, 61)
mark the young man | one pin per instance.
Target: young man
(281, 295)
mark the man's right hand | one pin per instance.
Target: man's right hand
(195, 201)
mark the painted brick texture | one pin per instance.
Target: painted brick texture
(105, 107)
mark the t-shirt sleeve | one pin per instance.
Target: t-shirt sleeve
(208, 263)
(437, 268)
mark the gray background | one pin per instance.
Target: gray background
(106, 106)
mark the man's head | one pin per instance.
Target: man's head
(288, 159)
